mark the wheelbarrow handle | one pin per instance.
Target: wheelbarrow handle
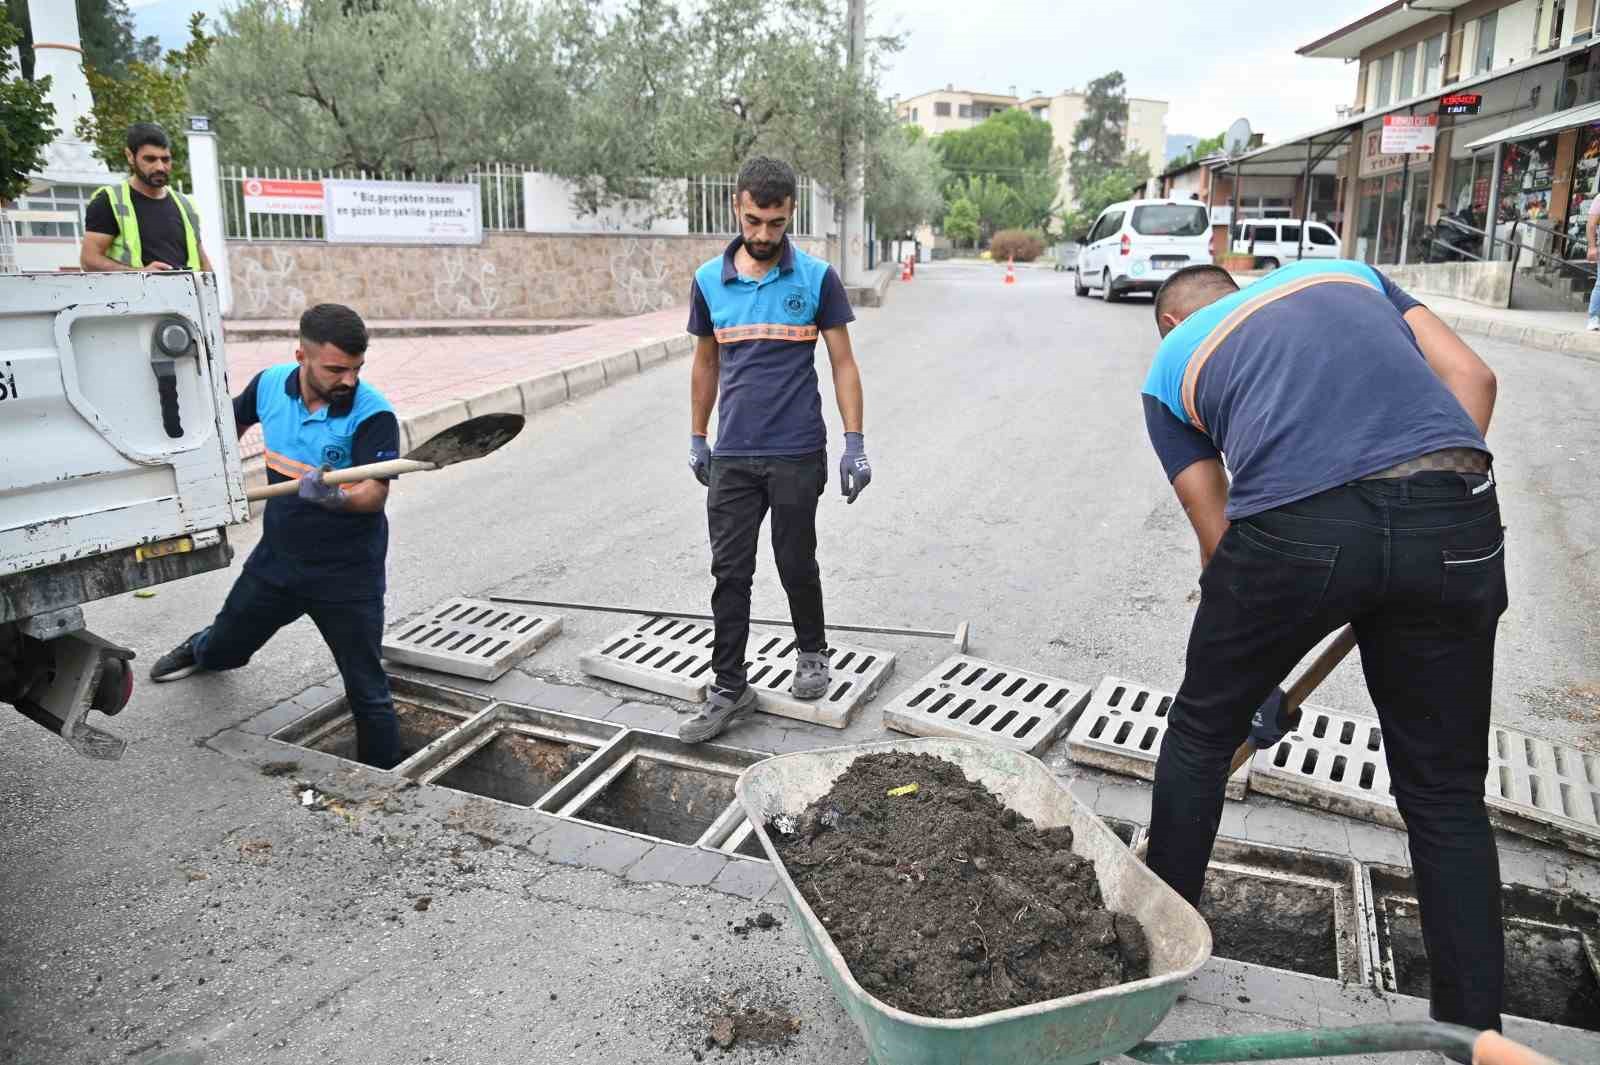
(1484, 1048)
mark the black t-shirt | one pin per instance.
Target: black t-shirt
(161, 237)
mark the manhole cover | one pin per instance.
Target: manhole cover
(972, 698)
(1543, 789)
(1121, 730)
(1332, 761)
(470, 637)
(671, 656)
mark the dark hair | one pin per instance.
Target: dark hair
(1190, 282)
(141, 134)
(336, 324)
(768, 181)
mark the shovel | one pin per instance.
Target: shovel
(471, 439)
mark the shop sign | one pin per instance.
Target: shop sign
(1461, 103)
(1409, 134)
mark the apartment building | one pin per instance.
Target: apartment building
(943, 110)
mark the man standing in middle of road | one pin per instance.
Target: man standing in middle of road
(757, 310)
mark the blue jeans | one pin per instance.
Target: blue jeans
(1594, 303)
(1417, 564)
(255, 610)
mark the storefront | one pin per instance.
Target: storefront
(1549, 173)
(1392, 190)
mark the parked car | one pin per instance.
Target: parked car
(1136, 245)
(1275, 241)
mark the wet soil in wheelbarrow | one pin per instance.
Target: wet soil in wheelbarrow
(946, 903)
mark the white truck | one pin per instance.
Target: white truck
(119, 470)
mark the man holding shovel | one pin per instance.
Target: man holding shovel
(323, 549)
(1352, 421)
(756, 312)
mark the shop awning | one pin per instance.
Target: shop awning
(1581, 115)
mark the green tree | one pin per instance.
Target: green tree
(1116, 184)
(415, 86)
(1008, 146)
(1100, 139)
(991, 198)
(27, 121)
(105, 30)
(905, 183)
(1198, 151)
(148, 93)
(961, 222)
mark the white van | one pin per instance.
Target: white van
(1136, 245)
(1275, 241)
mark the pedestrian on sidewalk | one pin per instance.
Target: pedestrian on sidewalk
(1593, 257)
(1352, 421)
(143, 223)
(322, 551)
(756, 312)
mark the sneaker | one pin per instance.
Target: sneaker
(1594, 324)
(811, 677)
(720, 710)
(176, 663)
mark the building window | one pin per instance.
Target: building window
(1040, 112)
(913, 114)
(1583, 24)
(966, 110)
(1385, 80)
(1432, 58)
(941, 109)
(1483, 53)
(1557, 12)
(72, 198)
(1408, 74)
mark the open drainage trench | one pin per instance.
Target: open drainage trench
(1276, 907)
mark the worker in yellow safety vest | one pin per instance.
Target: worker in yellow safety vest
(143, 224)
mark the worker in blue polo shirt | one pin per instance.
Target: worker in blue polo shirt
(1357, 490)
(322, 550)
(756, 311)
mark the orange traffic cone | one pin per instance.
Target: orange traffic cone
(1011, 270)
(905, 269)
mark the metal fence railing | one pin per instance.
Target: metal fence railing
(710, 206)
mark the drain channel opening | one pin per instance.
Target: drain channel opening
(516, 768)
(1264, 920)
(661, 799)
(1550, 971)
(419, 726)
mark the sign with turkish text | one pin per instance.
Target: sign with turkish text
(1409, 134)
(265, 196)
(1375, 161)
(1461, 103)
(401, 212)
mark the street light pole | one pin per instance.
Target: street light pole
(852, 226)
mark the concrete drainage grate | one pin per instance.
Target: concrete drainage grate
(428, 716)
(1544, 790)
(671, 656)
(1332, 761)
(513, 754)
(1122, 728)
(470, 637)
(973, 698)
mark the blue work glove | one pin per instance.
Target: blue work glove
(1272, 722)
(855, 472)
(313, 489)
(700, 459)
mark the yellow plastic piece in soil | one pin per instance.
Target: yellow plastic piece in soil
(904, 789)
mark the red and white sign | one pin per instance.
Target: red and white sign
(1409, 134)
(270, 196)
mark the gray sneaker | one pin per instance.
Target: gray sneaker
(720, 710)
(811, 676)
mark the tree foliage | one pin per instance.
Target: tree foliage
(961, 221)
(1100, 139)
(1116, 184)
(146, 93)
(27, 121)
(905, 181)
(1198, 150)
(105, 30)
(1008, 168)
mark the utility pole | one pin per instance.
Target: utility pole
(852, 226)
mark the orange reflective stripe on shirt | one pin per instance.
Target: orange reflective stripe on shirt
(286, 466)
(765, 331)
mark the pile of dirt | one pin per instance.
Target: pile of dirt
(944, 902)
(762, 921)
(752, 1026)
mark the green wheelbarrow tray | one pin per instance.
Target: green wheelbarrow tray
(1074, 1030)
(1077, 1029)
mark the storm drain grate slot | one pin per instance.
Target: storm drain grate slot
(1551, 949)
(671, 656)
(1333, 761)
(1543, 789)
(470, 637)
(1122, 727)
(973, 698)
(516, 754)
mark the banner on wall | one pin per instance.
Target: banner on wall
(1375, 161)
(401, 212)
(269, 196)
(1409, 134)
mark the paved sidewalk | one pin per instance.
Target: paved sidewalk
(287, 328)
(430, 380)
(1562, 331)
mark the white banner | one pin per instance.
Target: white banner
(271, 196)
(402, 212)
(1409, 134)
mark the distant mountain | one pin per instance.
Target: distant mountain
(168, 20)
(1178, 143)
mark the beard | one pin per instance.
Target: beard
(763, 252)
(153, 178)
(337, 394)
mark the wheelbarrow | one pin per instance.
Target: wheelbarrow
(1077, 1029)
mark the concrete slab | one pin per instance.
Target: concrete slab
(646, 716)
(652, 355)
(749, 880)
(543, 392)
(585, 379)
(617, 367)
(616, 853)
(519, 687)
(684, 866)
(507, 399)
(425, 425)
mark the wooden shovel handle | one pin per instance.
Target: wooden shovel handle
(1302, 688)
(370, 472)
(1492, 1048)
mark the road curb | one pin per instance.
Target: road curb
(527, 396)
(1579, 345)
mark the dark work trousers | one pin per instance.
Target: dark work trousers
(742, 491)
(255, 610)
(1418, 565)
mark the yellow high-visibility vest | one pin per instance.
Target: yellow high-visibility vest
(125, 247)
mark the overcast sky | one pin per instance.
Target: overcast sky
(1212, 62)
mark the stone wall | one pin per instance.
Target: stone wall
(1485, 283)
(510, 275)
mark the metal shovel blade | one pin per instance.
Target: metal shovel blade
(471, 439)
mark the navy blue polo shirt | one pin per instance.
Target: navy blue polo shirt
(766, 332)
(309, 550)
